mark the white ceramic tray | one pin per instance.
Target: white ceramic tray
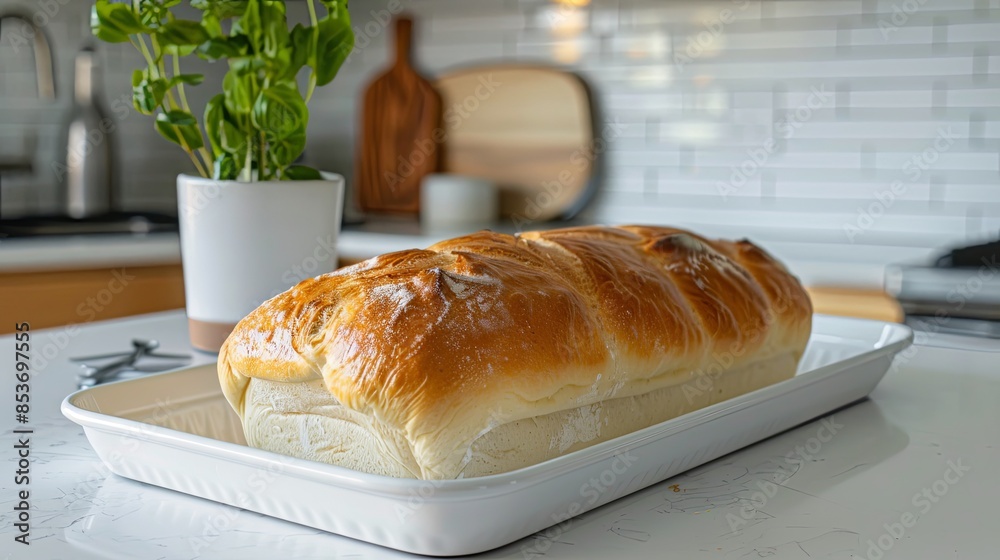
(176, 430)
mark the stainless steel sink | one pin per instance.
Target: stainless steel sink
(112, 223)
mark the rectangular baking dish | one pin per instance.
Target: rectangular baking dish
(176, 430)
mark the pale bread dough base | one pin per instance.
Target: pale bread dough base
(304, 420)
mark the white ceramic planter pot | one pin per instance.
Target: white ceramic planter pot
(243, 243)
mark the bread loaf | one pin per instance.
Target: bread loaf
(491, 352)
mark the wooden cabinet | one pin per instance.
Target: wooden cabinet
(60, 297)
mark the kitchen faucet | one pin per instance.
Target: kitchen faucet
(44, 74)
(42, 52)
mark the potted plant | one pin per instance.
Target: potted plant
(254, 221)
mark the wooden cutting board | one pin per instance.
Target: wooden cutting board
(528, 128)
(401, 111)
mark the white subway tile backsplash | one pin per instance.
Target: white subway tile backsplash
(810, 8)
(824, 191)
(793, 160)
(875, 130)
(986, 193)
(734, 212)
(836, 68)
(931, 159)
(440, 58)
(499, 17)
(887, 6)
(849, 90)
(737, 40)
(636, 158)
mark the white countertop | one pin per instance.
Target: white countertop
(826, 265)
(937, 411)
(88, 251)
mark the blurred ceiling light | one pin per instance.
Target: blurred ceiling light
(563, 20)
(653, 45)
(568, 51)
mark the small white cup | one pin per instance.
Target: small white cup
(457, 202)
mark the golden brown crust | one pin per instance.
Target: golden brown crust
(489, 328)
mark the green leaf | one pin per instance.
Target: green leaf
(114, 22)
(178, 125)
(237, 93)
(301, 173)
(215, 114)
(192, 135)
(333, 46)
(148, 94)
(275, 30)
(335, 7)
(285, 150)
(301, 45)
(190, 79)
(181, 118)
(246, 65)
(167, 131)
(250, 25)
(233, 140)
(280, 111)
(182, 32)
(220, 47)
(212, 24)
(225, 168)
(221, 9)
(153, 12)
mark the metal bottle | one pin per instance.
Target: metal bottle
(88, 179)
